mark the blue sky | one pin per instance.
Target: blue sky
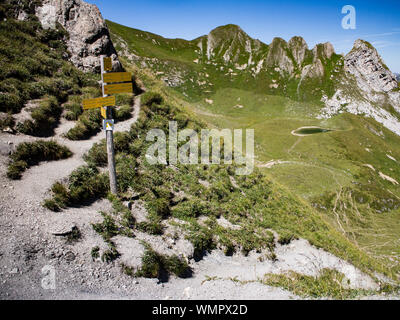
(316, 21)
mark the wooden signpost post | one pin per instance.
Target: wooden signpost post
(111, 83)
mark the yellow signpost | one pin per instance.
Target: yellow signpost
(107, 64)
(118, 88)
(98, 102)
(117, 77)
(121, 83)
(103, 112)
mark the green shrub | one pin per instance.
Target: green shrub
(126, 170)
(122, 113)
(286, 238)
(15, 169)
(202, 241)
(149, 98)
(110, 255)
(89, 123)
(74, 236)
(176, 265)
(29, 154)
(51, 205)
(154, 264)
(95, 252)
(153, 227)
(151, 265)
(330, 283)
(10, 102)
(73, 111)
(97, 155)
(86, 184)
(45, 119)
(191, 209)
(7, 122)
(107, 229)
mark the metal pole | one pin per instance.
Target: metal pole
(110, 140)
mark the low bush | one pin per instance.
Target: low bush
(73, 111)
(154, 264)
(29, 154)
(149, 98)
(7, 121)
(88, 124)
(44, 119)
(122, 113)
(86, 184)
(329, 284)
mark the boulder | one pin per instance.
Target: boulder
(88, 33)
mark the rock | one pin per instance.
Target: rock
(323, 51)
(364, 62)
(131, 251)
(277, 56)
(63, 229)
(227, 225)
(139, 211)
(6, 149)
(69, 256)
(14, 271)
(88, 33)
(299, 47)
(8, 130)
(186, 292)
(314, 70)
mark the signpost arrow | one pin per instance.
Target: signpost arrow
(107, 64)
(118, 88)
(98, 102)
(103, 112)
(117, 77)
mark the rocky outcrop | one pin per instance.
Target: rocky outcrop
(278, 57)
(314, 70)
(323, 51)
(366, 88)
(298, 47)
(88, 33)
(364, 62)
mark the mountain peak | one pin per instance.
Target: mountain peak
(366, 64)
(228, 31)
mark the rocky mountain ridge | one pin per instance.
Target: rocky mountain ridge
(358, 82)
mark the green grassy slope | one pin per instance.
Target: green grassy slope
(326, 172)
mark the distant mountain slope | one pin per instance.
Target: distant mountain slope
(227, 57)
